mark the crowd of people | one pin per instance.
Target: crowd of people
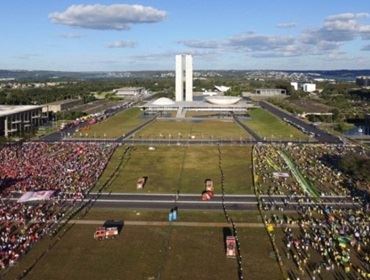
(319, 240)
(269, 161)
(313, 161)
(85, 121)
(67, 169)
(329, 241)
(317, 162)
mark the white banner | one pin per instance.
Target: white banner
(280, 175)
(35, 196)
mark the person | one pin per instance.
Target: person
(69, 169)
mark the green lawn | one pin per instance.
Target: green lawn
(137, 253)
(198, 253)
(268, 126)
(180, 168)
(148, 252)
(114, 126)
(198, 129)
(259, 260)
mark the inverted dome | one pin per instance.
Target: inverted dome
(163, 101)
(223, 100)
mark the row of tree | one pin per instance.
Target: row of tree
(356, 165)
(80, 89)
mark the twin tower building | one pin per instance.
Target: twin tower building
(184, 77)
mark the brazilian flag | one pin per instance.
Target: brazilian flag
(343, 241)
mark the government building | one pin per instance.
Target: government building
(19, 119)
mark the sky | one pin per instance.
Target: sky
(72, 35)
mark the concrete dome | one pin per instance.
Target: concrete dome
(223, 100)
(163, 101)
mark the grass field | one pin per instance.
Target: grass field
(268, 126)
(198, 129)
(180, 168)
(143, 252)
(115, 126)
(309, 105)
(259, 261)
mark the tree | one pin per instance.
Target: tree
(336, 114)
(356, 165)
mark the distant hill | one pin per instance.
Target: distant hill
(337, 74)
(61, 75)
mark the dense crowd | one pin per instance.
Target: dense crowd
(316, 163)
(85, 121)
(68, 169)
(319, 240)
(329, 241)
(269, 161)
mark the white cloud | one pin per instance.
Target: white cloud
(325, 40)
(286, 25)
(121, 44)
(170, 54)
(201, 44)
(105, 17)
(347, 16)
(339, 28)
(70, 35)
(256, 42)
(252, 44)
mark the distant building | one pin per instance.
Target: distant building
(270, 91)
(363, 81)
(210, 93)
(218, 90)
(309, 87)
(222, 89)
(294, 85)
(184, 77)
(129, 91)
(61, 105)
(209, 104)
(16, 120)
(306, 87)
(331, 81)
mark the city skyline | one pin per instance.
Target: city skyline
(145, 35)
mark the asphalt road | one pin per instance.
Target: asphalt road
(58, 135)
(320, 135)
(193, 201)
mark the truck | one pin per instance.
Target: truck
(140, 183)
(102, 233)
(208, 183)
(230, 247)
(208, 193)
